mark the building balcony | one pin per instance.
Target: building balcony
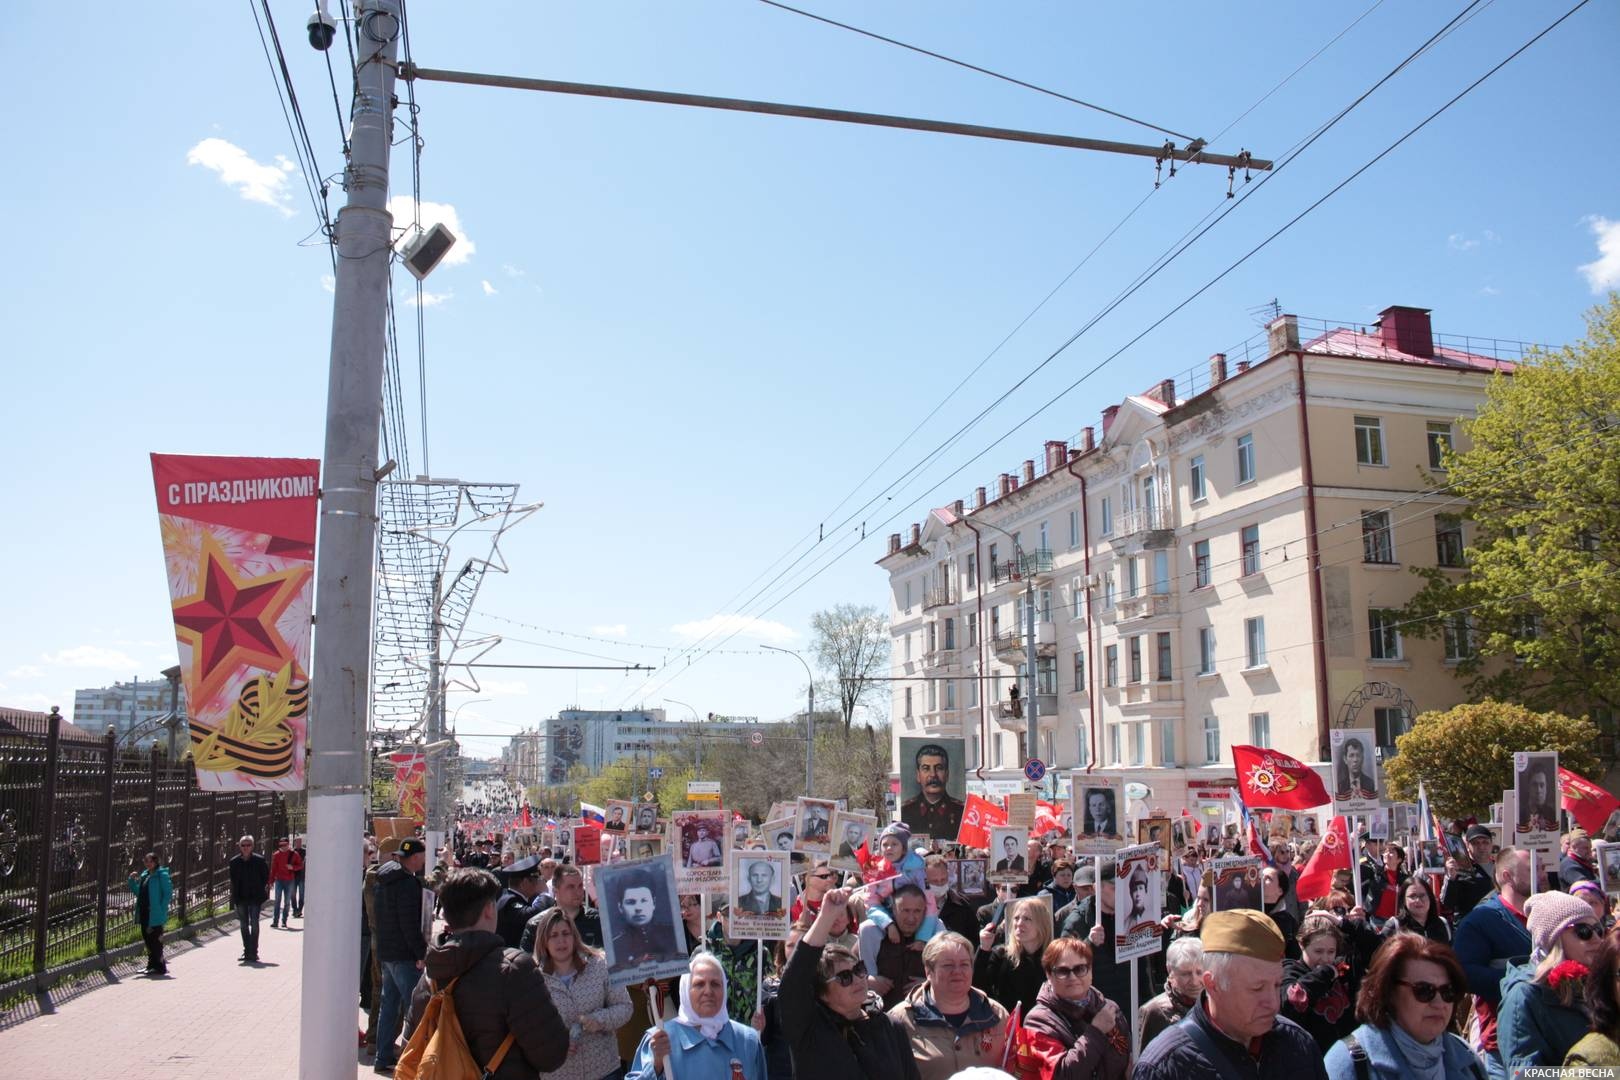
(1145, 605)
(1139, 698)
(1009, 645)
(1018, 721)
(939, 597)
(1151, 527)
(938, 658)
(1032, 564)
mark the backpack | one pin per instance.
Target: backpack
(438, 1050)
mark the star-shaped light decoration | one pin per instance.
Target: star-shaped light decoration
(231, 620)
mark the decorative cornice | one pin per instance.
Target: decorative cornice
(1209, 424)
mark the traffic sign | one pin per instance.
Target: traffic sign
(655, 773)
(1034, 770)
(702, 787)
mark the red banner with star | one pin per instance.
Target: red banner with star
(239, 547)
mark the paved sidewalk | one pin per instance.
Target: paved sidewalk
(211, 1018)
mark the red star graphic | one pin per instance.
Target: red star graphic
(232, 621)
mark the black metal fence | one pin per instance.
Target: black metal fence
(76, 817)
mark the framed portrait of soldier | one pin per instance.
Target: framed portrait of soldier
(970, 877)
(1535, 794)
(1237, 882)
(760, 893)
(1007, 856)
(1356, 788)
(644, 847)
(1138, 899)
(851, 839)
(1182, 833)
(740, 831)
(933, 785)
(646, 820)
(812, 826)
(1607, 857)
(700, 839)
(617, 816)
(642, 933)
(1156, 830)
(1378, 824)
(1098, 829)
(1431, 857)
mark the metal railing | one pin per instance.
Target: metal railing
(76, 817)
(1030, 564)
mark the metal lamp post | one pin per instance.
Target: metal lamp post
(809, 720)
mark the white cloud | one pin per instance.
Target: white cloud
(27, 671)
(741, 625)
(93, 656)
(253, 180)
(504, 687)
(429, 299)
(434, 213)
(329, 283)
(1490, 290)
(511, 271)
(616, 630)
(1459, 242)
(1603, 273)
(489, 290)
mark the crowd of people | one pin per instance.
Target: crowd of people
(1464, 973)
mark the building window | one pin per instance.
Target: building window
(1046, 605)
(1201, 564)
(1390, 724)
(1369, 441)
(1082, 746)
(995, 752)
(1138, 744)
(1206, 650)
(1245, 459)
(1108, 591)
(908, 703)
(1046, 544)
(1161, 573)
(1133, 576)
(995, 620)
(908, 645)
(1018, 614)
(933, 696)
(973, 693)
(973, 629)
(1167, 742)
(1046, 675)
(994, 568)
(1079, 670)
(950, 695)
(1377, 537)
(950, 632)
(1107, 516)
(1195, 478)
(1458, 637)
(1077, 598)
(1134, 652)
(1439, 444)
(1074, 528)
(1113, 744)
(1212, 739)
(1254, 641)
(908, 598)
(972, 571)
(1260, 729)
(1111, 665)
(933, 638)
(1448, 540)
(1384, 634)
(1249, 545)
(1162, 664)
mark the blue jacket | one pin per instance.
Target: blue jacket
(1533, 1026)
(695, 1058)
(1287, 1052)
(158, 893)
(1386, 1063)
(1485, 941)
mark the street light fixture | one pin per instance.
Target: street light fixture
(809, 721)
(698, 764)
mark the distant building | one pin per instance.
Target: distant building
(30, 722)
(597, 738)
(127, 707)
(1169, 557)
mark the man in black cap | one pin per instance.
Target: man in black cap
(401, 946)
(1467, 885)
(932, 810)
(523, 884)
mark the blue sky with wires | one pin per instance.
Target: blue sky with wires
(694, 335)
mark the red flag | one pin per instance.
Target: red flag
(978, 817)
(1333, 853)
(1587, 803)
(1048, 818)
(524, 820)
(1010, 1034)
(1277, 781)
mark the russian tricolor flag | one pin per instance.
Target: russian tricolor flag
(587, 812)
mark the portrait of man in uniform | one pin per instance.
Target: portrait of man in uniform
(934, 796)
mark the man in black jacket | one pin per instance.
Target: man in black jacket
(512, 909)
(250, 887)
(401, 947)
(1467, 886)
(567, 892)
(837, 1030)
(500, 993)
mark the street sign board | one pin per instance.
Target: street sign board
(756, 738)
(1035, 770)
(702, 787)
(655, 773)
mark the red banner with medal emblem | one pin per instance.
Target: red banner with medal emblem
(239, 548)
(1277, 781)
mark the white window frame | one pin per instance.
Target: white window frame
(1106, 516)
(1111, 665)
(1246, 464)
(1254, 642)
(1384, 634)
(1201, 564)
(1438, 433)
(1167, 742)
(1197, 480)
(1260, 729)
(1161, 572)
(1164, 657)
(1249, 549)
(1206, 650)
(1377, 538)
(1078, 672)
(1134, 672)
(1074, 529)
(1212, 740)
(1370, 441)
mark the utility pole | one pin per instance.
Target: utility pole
(341, 679)
(436, 753)
(173, 675)
(809, 721)
(1031, 710)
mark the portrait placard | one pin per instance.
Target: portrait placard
(1356, 789)
(933, 784)
(1099, 829)
(1237, 882)
(1156, 830)
(642, 932)
(1021, 810)
(1535, 798)
(970, 877)
(1138, 899)
(1007, 865)
(646, 820)
(760, 894)
(618, 815)
(853, 833)
(1607, 856)
(812, 826)
(699, 842)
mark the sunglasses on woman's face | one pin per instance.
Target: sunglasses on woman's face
(1078, 971)
(843, 978)
(1425, 992)
(1586, 931)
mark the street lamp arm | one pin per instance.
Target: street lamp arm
(809, 719)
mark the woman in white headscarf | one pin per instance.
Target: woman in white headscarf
(701, 1042)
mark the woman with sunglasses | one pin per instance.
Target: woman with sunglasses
(1543, 1010)
(1409, 1000)
(834, 1028)
(1073, 1032)
(1601, 1045)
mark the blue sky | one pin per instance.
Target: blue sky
(692, 334)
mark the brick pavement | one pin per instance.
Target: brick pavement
(211, 1018)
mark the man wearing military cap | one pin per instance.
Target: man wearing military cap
(1234, 1030)
(512, 910)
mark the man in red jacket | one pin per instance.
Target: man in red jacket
(285, 865)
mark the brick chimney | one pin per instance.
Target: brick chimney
(1003, 485)
(1108, 414)
(1407, 330)
(894, 543)
(1088, 440)
(1012, 483)
(978, 498)
(1166, 392)
(1243, 365)
(1056, 452)
(916, 535)
(1217, 369)
(1029, 472)
(956, 507)
(1282, 335)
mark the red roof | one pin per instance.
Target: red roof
(30, 722)
(1347, 342)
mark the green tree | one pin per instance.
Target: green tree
(1539, 593)
(1464, 755)
(851, 643)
